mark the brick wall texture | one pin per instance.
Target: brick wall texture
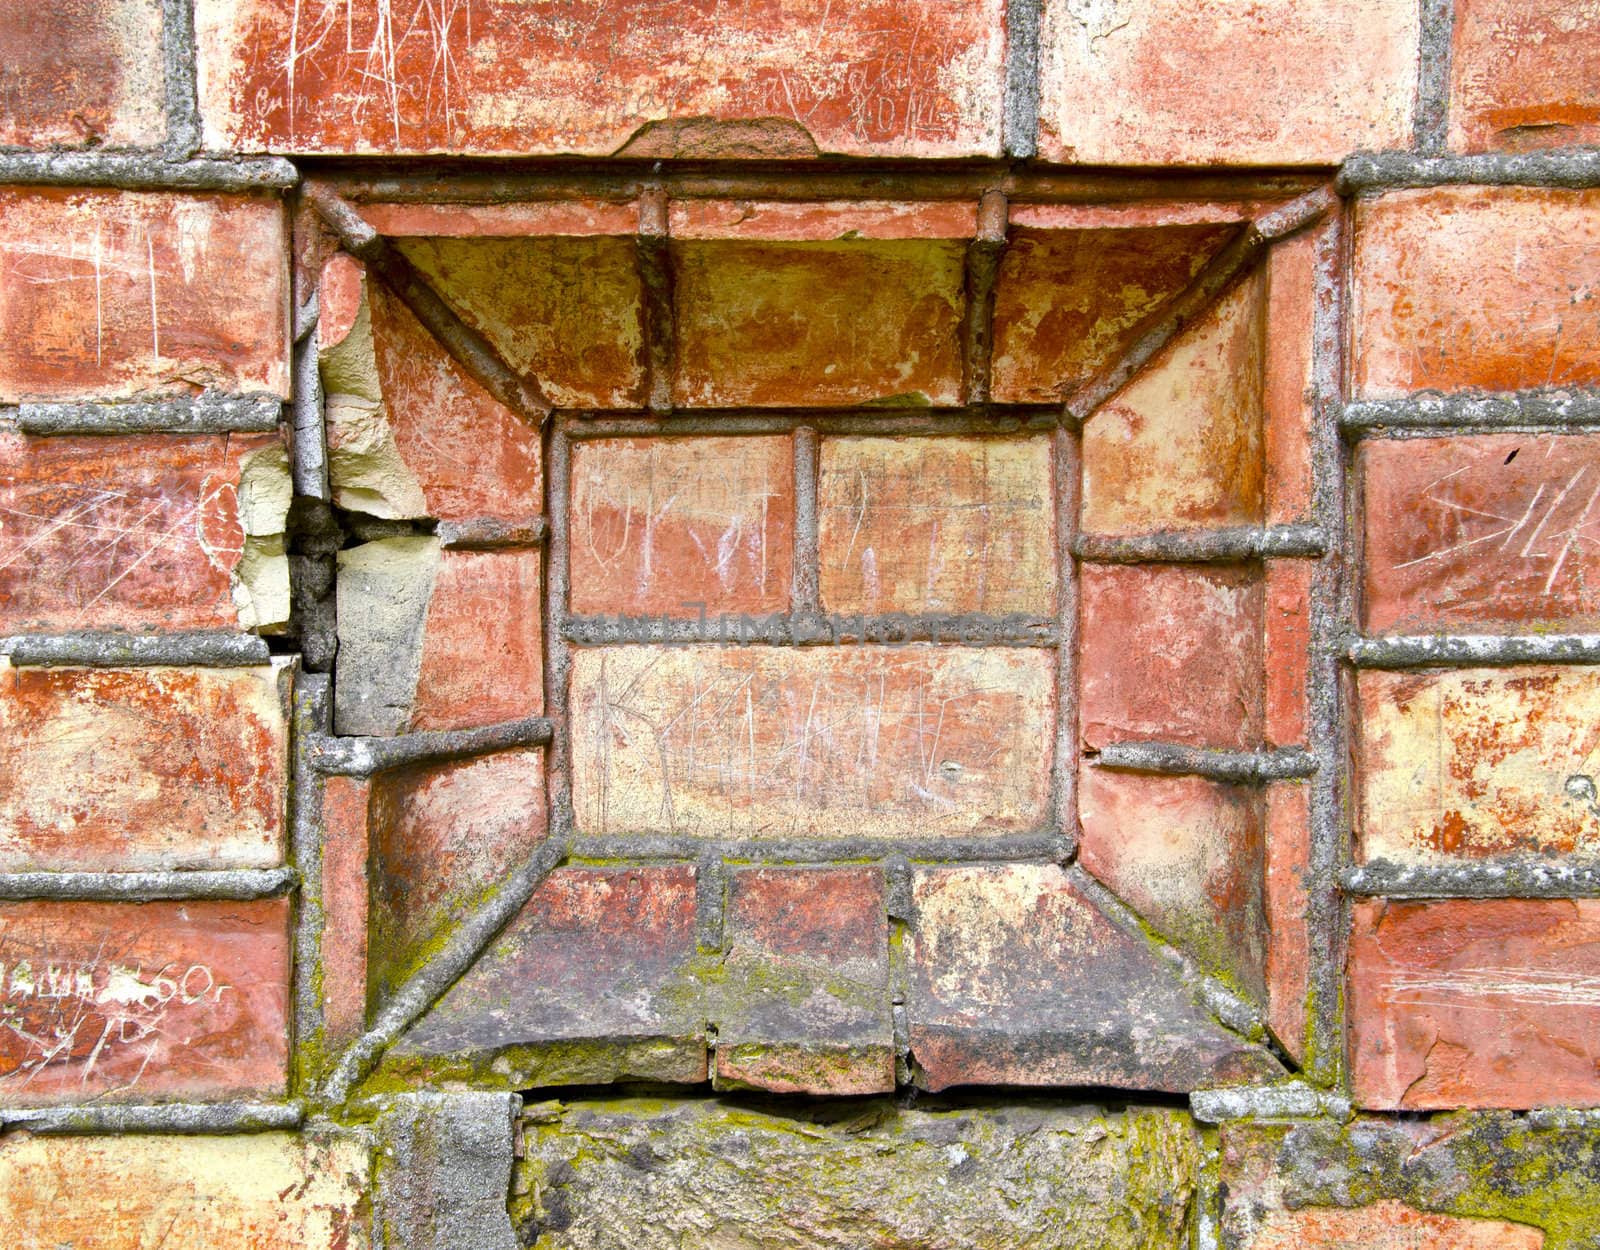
(714, 624)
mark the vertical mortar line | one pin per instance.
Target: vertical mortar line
(1330, 621)
(558, 655)
(659, 313)
(1020, 124)
(982, 267)
(309, 467)
(807, 572)
(1068, 476)
(898, 906)
(179, 79)
(1434, 54)
(311, 713)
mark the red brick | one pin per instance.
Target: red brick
(1069, 302)
(1276, 82)
(1522, 76)
(1018, 979)
(1475, 1003)
(1462, 287)
(1195, 676)
(1288, 925)
(805, 1003)
(653, 531)
(258, 1191)
(818, 324)
(143, 532)
(564, 311)
(937, 525)
(1478, 762)
(921, 79)
(1491, 534)
(107, 294)
(820, 222)
(472, 456)
(134, 1002)
(768, 742)
(142, 769)
(1388, 1226)
(1187, 854)
(504, 221)
(592, 982)
(1287, 651)
(82, 72)
(1288, 400)
(346, 848)
(441, 837)
(1180, 446)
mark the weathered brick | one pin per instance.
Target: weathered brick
(1522, 76)
(1462, 287)
(579, 217)
(1180, 446)
(767, 742)
(592, 982)
(918, 80)
(1478, 762)
(1069, 302)
(1287, 898)
(1286, 651)
(1475, 1003)
(804, 1006)
(821, 222)
(809, 324)
(1018, 979)
(566, 311)
(264, 1191)
(441, 836)
(346, 850)
(671, 526)
(937, 525)
(1481, 534)
(82, 72)
(142, 769)
(1388, 1226)
(138, 1002)
(1189, 856)
(143, 532)
(107, 294)
(436, 639)
(1277, 82)
(1196, 675)
(1287, 400)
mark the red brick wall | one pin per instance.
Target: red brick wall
(815, 548)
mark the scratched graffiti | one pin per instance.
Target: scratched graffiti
(775, 742)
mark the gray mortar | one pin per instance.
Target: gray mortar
(1066, 748)
(1543, 410)
(1472, 650)
(361, 757)
(1219, 546)
(442, 1173)
(311, 717)
(1502, 878)
(1021, 124)
(710, 903)
(206, 649)
(651, 848)
(807, 561)
(1432, 117)
(1289, 1100)
(220, 1117)
(146, 171)
(237, 884)
(988, 419)
(310, 435)
(781, 629)
(210, 413)
(557, 655)
(179, 78)
(981, 269)
(1296, 215)
(1572, 168)
(653, 256)
(1247, 767)
(491, 535)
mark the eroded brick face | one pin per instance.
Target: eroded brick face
(1522, 76)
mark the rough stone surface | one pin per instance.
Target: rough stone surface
(441, 835)
(1481, 535)
(697, 79)
(1522, 75)
(592, 982)
(1474, 1003)
(115, 294)
(1069, 302)
(1196, 676)
(142, 769)
(1188, 855)
(822, 741)
(807, 324)
(1478, 762)
(1457, 288)
(263, 1191)
(443, 1172)
(133, 1002)
(936, 525)
(1279, 82)
(1180, 446)
(651, 1174)
(143, 532)
(654, 532)
(1017, 978)
(804, 983)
